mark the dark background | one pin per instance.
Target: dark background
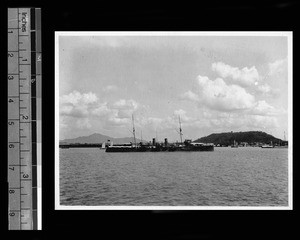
(143, 16)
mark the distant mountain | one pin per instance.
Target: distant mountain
(249, 137)
(98, 138)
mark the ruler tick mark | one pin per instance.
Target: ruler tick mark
(23, 44)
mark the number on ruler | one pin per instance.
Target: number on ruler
(11, 191)
(10, 77)
(25, 175)
(10, 54)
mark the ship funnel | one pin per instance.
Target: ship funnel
(153, 141)
(166, 142)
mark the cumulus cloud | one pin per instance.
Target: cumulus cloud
(81, 110)
(264, 88)
(243, 77)
(189, 95)
(220, 96)
(183, 116)
(110, 88)
(76, 104)
(242, 121)
(126, 104)
(277, 67)
(265, 122)
(76, 98)
(101, 110)
(230, 106)
(262, 108)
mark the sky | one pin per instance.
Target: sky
(214, 83)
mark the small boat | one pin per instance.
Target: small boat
(103, 146)
(267, 145)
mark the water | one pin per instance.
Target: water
(226, 177)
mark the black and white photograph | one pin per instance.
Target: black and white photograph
(173, 120)
(149, 120)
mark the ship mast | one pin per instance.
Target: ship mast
(133, 130)
(180, 130)
(141, 136)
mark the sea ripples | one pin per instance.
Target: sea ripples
(225, 177)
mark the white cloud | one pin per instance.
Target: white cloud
(118, 121)
(76, 104)
(264, 88)
(220, 96)
(277, 67)
(189, 95)
(262, 108)
(180, 112)
(126, 104)
(183, 116)
(243, 122)
(101, 110)
(262, 122)
(83, 110)
(224, 106)
(110, 88)
(76, 98)
(244, 77)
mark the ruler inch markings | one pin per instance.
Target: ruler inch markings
(22, 167)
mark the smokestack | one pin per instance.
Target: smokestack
(153, 142)
(166, 142)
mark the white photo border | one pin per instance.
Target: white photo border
(288, 34)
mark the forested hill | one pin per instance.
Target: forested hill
(249, 137)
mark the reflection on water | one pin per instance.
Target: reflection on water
(226, 177)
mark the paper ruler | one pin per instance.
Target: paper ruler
(24, 118)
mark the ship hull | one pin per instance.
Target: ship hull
(122, 149)
(172, 149)
(198, 149)
(267, 146)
